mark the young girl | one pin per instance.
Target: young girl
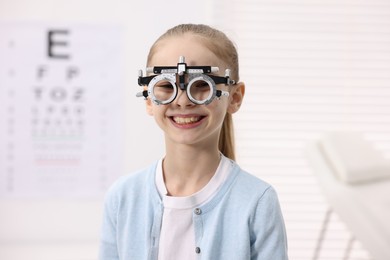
(196, 202)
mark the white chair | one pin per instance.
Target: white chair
(355, 179)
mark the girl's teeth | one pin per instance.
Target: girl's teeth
(186, 120)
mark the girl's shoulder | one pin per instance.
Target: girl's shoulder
(248, 185)
(249, 180)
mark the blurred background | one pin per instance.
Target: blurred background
(70, 123)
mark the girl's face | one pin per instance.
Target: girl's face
(182, 121)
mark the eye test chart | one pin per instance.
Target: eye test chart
(61, 109)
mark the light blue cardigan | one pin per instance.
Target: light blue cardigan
(243, 221)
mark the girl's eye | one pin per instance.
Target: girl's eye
(201, 84)
(165, 85)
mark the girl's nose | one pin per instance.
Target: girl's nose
(182, 99)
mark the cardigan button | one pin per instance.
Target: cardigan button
(197, 250)
(198, 211)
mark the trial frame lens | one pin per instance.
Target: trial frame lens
(162, 89)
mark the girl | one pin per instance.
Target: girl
(196, 202)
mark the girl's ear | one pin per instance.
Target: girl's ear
(235, 97)
(149, 107)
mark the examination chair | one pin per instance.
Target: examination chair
(355, 179)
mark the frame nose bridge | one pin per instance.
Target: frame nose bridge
(181, 81)
(182, 84)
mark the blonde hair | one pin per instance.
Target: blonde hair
(224, 49)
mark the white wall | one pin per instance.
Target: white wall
(68, 229)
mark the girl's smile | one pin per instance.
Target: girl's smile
(187, 121)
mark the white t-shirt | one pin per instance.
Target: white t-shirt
(177, 237)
